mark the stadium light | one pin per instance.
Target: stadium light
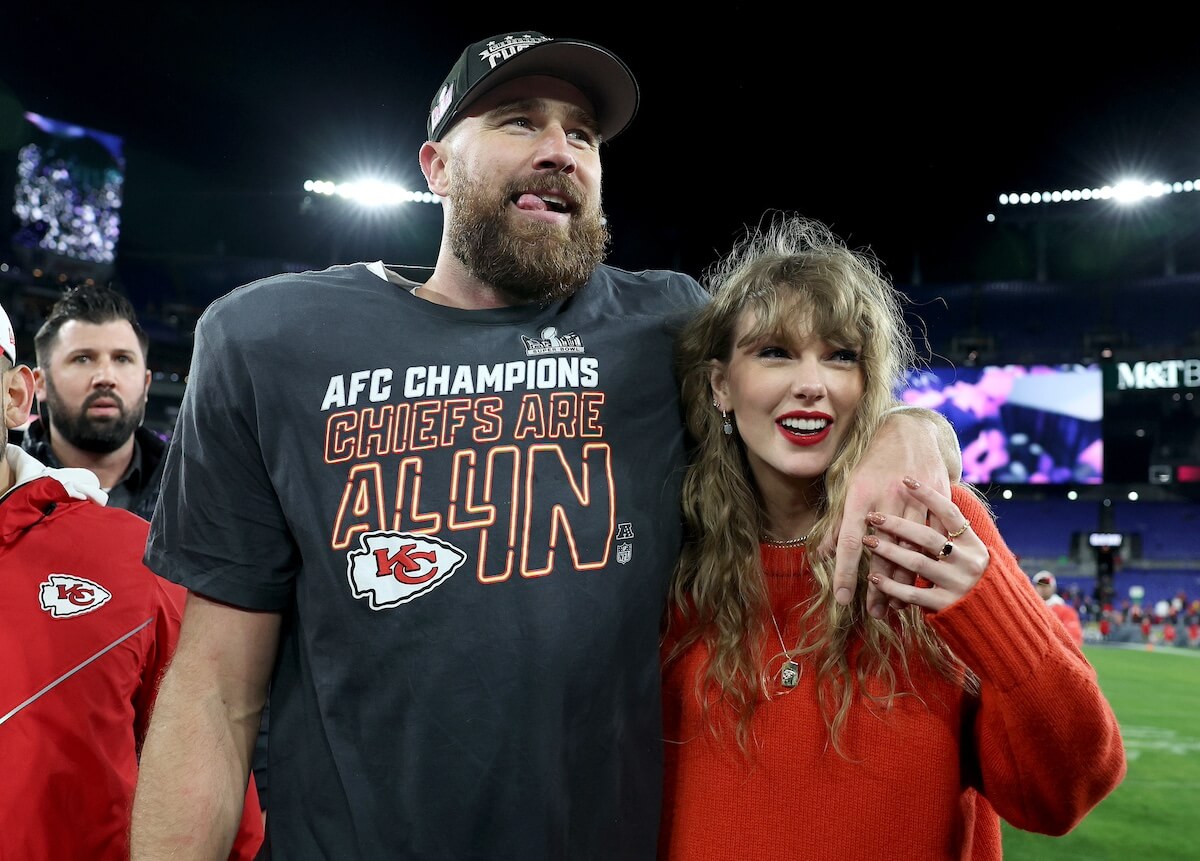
(1126, 192)
(370, 193)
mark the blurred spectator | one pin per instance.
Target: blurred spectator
(1089, 609)
(1047, 586)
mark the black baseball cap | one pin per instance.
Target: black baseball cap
(597, 72)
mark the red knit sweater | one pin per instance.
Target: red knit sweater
(924, 779)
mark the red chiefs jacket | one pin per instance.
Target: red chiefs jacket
(86, 632)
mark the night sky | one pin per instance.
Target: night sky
(900, 133)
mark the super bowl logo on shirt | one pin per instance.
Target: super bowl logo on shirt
(64, 595)
(395, 567)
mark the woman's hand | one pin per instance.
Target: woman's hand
(946, 555)
(912, 442)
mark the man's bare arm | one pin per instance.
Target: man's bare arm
(913, 441)
(195, 763)
(944, 434)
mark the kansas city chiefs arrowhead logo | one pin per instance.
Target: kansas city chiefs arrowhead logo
(394, 567)
(64, 595)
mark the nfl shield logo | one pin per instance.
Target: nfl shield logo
(624, 552)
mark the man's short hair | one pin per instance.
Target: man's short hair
(88, 303)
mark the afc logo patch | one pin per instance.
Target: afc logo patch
(65, 595)
(393, 568)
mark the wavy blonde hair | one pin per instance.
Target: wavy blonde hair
(794, 276)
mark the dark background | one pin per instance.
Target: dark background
(898, 131)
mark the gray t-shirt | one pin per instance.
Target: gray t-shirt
(468, 520)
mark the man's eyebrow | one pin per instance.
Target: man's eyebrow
(576, 114)
(511, 105)
(92, 351)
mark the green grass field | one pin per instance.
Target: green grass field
(1155, 812)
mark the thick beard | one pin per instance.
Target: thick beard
(86, 434)
(527, 261)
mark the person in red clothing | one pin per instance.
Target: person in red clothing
(787, 714)
(1047, 586)
(86, 630)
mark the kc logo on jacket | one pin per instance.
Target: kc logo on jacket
(395, 567)
(65, 595)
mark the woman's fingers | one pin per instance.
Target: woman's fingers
(948, 554)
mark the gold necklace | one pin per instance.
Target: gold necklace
(789, 673)
(769, 539)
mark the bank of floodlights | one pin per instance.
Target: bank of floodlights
(370, 193)
(1126, 192)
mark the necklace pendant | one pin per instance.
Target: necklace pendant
(790, 674)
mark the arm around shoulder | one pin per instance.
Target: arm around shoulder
(910, 441)
(944, 436)
(195, 763)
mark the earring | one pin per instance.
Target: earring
(726, 424)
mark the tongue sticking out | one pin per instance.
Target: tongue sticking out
(531, 202)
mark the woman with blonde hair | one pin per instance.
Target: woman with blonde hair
(799, 727)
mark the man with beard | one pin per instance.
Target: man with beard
(92, 383)
(438, 518)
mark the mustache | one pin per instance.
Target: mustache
(105, 394)
(560, 184)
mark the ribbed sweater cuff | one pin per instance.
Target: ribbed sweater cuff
(1001, 629)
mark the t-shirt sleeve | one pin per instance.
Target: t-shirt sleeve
(684, 297)
(218, 527)
(692, 293)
